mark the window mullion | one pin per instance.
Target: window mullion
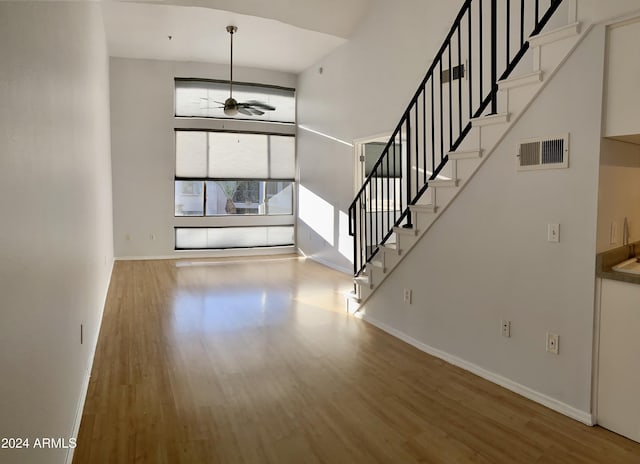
(208, 163)
(204, 199)
(268, 156)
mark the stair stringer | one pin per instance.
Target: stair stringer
(476, 141)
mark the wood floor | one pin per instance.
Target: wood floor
(256, 361)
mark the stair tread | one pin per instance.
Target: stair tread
(465, 154)
(391, 248)
(564, 32)
(443, 183)
(363, 282)
(520, 80)
(424, 208)
(468, 150)
(405, 230)
(499, 118)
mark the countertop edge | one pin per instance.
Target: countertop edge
(606, 260)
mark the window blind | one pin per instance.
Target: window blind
(228, 155)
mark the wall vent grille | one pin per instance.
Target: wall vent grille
(457, 72)
(543, 153)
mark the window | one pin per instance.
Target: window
(233, 188)
(199, 238)
(190, 198)
(387, 176)
(205, 98)
(225, 173)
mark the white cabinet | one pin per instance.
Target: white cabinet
(622, 99)
(619, 358)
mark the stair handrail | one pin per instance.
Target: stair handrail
(365, 194)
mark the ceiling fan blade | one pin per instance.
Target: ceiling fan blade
(214, 101)
(251, 108)
(261, 105)
(244, 111)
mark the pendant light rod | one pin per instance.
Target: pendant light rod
(231, 30)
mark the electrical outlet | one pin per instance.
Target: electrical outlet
(553, 232)
(553, 343)
(506, 328)
(406, 296)
(152, 236)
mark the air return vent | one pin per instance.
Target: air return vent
(543, 153)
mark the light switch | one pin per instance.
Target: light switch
(553, 232)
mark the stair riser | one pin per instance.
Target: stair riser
(518, 98)
(466, 168)
(427, 198)
(547, 57)
(471, 141)
(503, 102)
(448, 171)
(390, 261)
(444, 194)
(514, 95)
(379, 261)
(379, 274)
(424, 220)
(490, 135)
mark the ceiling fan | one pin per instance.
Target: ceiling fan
(231, 106)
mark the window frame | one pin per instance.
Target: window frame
(204, 214)
(206, 179)
(239, 84)
(236, 125)
(175, 236)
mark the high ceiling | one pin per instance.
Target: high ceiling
(283, 35)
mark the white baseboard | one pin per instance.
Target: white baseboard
(551, 403)
(231, 252)
(327, 263)
(85, 383)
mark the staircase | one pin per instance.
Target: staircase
(494, 61)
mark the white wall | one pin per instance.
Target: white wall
(618, 192)
(143, 150)
(487, 257)
(55, 197)
(363, 90)
(611, 9)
